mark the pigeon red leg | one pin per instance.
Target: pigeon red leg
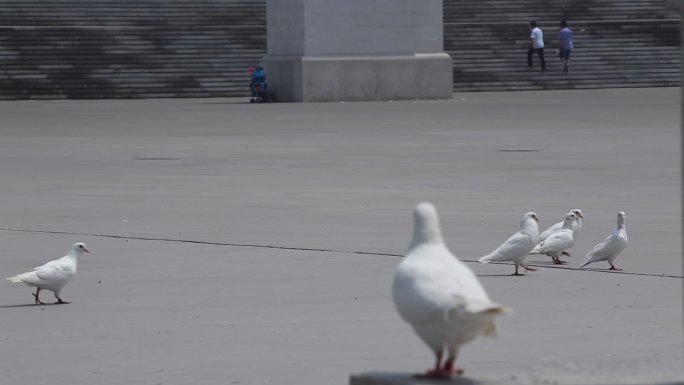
(449, 365)
(557, 261)
(437, 372)
(612, 267)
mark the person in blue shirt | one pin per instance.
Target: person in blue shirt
(258, 76)
(565, 44)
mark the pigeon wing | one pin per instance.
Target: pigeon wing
(560, 240)
(610, 247)
(46, 265)
(550, 231)
(517, 245)
(53, 273)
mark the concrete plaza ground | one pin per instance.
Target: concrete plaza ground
(255, 244)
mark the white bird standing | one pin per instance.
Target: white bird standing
(54, 274)
(439, 295)
(576, 226)
(558, 242)
(611, 247)
(518, 246)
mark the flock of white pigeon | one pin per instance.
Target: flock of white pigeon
(442, 299)
(555, 240)
(433, 290)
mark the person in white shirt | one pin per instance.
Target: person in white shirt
(537, 45)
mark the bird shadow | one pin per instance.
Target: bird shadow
(500, 275)
(228, 102)
(414, 378)
(29, 305)
(606, 270)
(547, 263)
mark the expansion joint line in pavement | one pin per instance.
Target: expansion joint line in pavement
(197, 242)
(305, 249)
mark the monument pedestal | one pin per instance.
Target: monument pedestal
(372, 77)
(335, 50)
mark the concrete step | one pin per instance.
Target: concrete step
(170, 48)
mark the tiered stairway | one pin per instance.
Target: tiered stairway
(129, 49)
(618, 43)
(202, 48)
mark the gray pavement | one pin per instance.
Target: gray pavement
(255, 244)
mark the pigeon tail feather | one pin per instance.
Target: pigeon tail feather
(537, 250)
(586, 262)
(15, 279)
(497, 310)
(481, 307)
(490, 331)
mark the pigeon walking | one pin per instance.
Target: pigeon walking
(558, 242)
(576, 226)
(518, 246)
(611, 247)
(439, 296)
(53, 275)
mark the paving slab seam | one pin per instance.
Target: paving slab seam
(199, 242)
(313, 249)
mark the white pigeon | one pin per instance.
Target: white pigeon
(611, 247)
(576, 226)
(558, 242)
(439, 295)
(54, 274)
(518, 246)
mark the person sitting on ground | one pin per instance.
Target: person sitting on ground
(258, 76)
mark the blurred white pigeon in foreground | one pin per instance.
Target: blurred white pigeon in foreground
(518, 246)
(611, 247)
(54, 274)
(558, 242)
(439, 295)
(576, 226)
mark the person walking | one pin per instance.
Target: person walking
(537, 45)
(565, 44)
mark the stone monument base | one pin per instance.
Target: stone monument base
(351, 78)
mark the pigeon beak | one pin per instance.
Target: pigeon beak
(86, 250)
(580, 215)
(535, 218)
